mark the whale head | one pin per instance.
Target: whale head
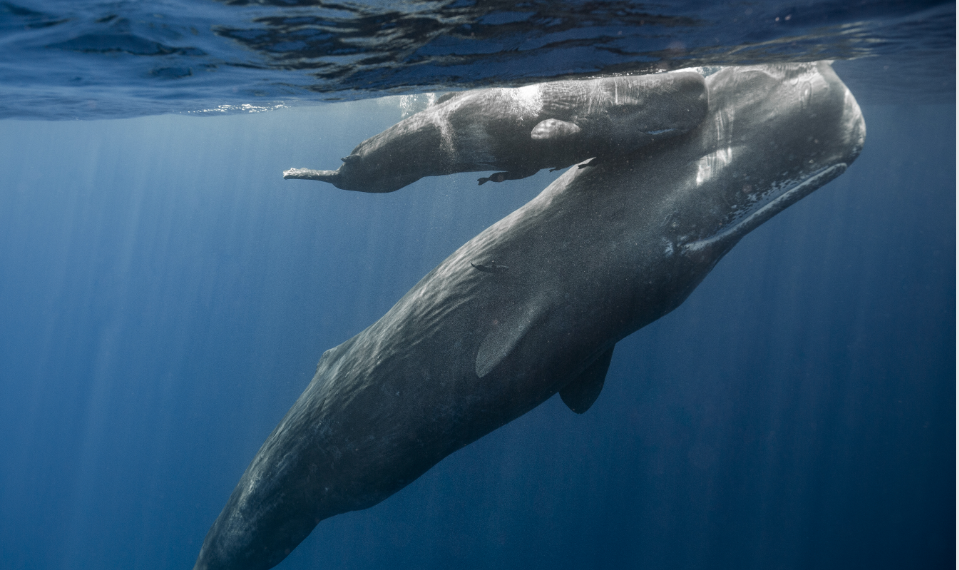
(774, 134)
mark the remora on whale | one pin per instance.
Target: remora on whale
(523, 130)
(598, 254)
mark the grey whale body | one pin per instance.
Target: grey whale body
(598, 254)
(522, 130)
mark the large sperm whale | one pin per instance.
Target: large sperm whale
(598, 254)
(521, 131)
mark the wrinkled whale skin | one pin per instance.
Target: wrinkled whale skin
(598, 254)
(522, 130)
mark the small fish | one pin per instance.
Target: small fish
(493, 267)
(516, 174)
(495, 177)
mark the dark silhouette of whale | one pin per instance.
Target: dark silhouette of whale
(598, 254)
(522, 130)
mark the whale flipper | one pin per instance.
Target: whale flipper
(580, 394)
(554, 129)
(504, 338)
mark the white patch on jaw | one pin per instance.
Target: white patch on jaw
(711, 164)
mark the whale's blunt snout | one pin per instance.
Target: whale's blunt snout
(852, 116)
(850, 125)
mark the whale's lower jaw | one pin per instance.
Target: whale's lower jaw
(778, 200)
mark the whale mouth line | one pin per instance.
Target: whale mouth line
(787, 194)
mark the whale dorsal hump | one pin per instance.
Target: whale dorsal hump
(553, 129)
(580, 394)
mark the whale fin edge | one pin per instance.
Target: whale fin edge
(504, 338)
(580, 394)
(554, 129)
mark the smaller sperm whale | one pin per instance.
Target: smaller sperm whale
(520, 131)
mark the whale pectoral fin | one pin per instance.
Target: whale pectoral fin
(580, 394)
(504, 338)
(554, 129)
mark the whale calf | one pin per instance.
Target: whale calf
(523, 130)
(598, 254)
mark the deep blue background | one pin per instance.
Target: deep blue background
(165, 295)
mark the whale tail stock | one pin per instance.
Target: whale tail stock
(330, 176)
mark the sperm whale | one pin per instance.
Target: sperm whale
(465, 351)
(521, 131)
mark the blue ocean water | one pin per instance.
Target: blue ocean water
(66, 59)
(165, 295)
